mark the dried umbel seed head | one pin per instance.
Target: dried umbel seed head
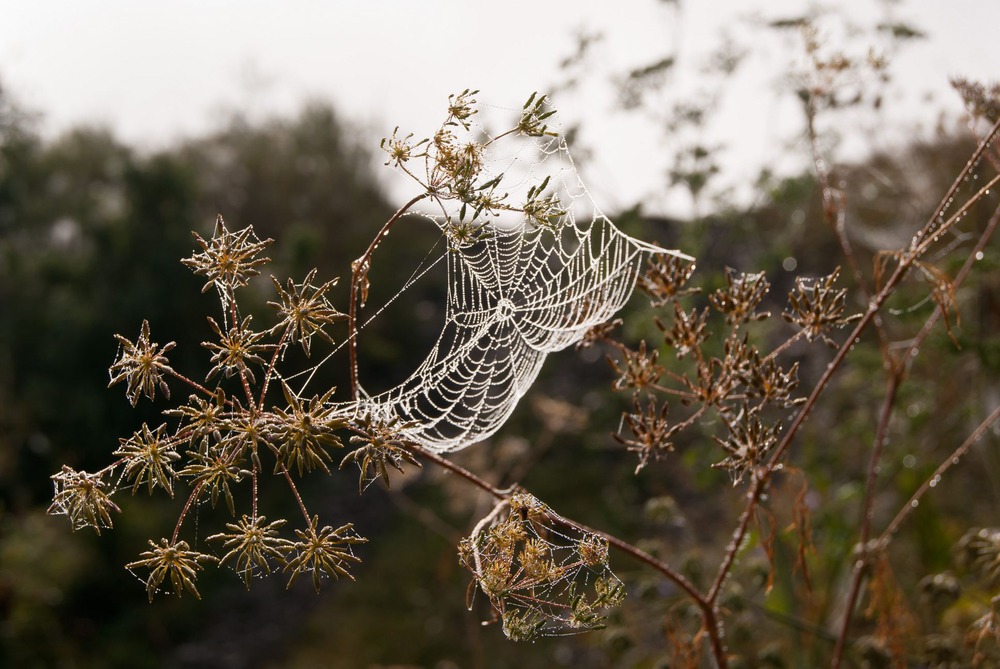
(305, 311)
(687, 332)
(541, 574)
(141, 365)
(84, 498)
(816, 307)
(173, 560)
(665, 279)
(593, 550)
(381, 444)
(638, 370)
(979, 551)
(149, 456)
(229, 259)
(651, 432)
(738, 300)
(939, 591)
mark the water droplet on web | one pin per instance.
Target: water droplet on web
(979, 255)
(934, 481)
(914, 504)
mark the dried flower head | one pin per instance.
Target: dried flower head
(665, 279)
(305, 310)
(637, 370)
(149, 456)
(300, 434)
(593, 550)
(82, 497)
(236, 351)
(461, 234)
(200, 417)
(253, 544)
(687, 332)
(214, 469)
(400, 149)
(767, 381)
(141, 365)
(381, 445)
(748, 444)
(979, 551)
(650, 432)
(323, 552)
(982, 101)
(741, 296)
(544, 211)
(462, 107)
(173, 559)
(816, 307)
(533, 114)
(541, 574)
(229, 259)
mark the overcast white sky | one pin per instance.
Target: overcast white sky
(157, 71)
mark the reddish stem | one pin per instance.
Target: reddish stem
(360, 268)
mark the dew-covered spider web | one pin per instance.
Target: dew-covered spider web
(517, 291)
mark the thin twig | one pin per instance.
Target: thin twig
(359, 268)
(762, 477)
(888, 404)
(933, 480)
(187, 507)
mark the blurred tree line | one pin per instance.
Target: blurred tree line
(91, 231)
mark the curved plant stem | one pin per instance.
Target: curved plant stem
(931, 482)
(360, 269)
(295, 492)
(708, 610)
(888, 404)
(187, 507)
(834, 213)
(420, 451)
(920, 244)
(895, 379)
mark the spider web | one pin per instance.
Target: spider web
(516, 293)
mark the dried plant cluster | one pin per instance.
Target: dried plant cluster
(216, 443)
(243, 426)
(743, 389)
(720, 365)
(540, 572)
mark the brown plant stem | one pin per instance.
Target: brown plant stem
(708, 611)
(957, 183)
(187, 507)
(763, 475)
(888, 404)
(295, 492)
(191, 382)
(359, 268)
(834, 214)
(931, 482)
(421, 452)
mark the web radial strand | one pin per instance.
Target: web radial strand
(515, 295)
